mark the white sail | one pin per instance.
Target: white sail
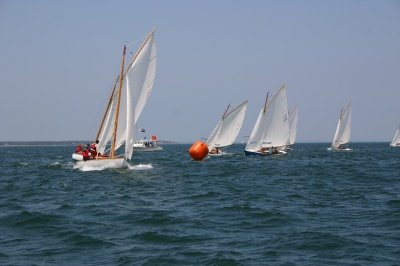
(396, 140)
(228, 127)
(293, 118)
(140, 77)
(106, 130)
(343, 129)
(272, 126)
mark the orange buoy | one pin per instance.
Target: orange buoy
(198, 151)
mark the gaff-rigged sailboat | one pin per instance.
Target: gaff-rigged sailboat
(271, 133)
(227, 129)
(125, 105)
(343, 130)
(396, 140)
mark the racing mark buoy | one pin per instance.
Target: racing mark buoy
(198, 151)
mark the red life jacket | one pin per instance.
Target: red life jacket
(85, 154)
(93, 150)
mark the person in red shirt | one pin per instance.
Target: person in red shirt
(93, 149)
(78, 149)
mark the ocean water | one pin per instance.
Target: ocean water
(309, 207)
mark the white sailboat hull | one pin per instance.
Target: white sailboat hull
(77, 157)
(102, 163)
(338, 149)
(217, 154)
(259, 153)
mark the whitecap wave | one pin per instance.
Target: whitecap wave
(55, 164)
(141, 167)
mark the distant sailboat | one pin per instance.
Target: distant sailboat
(293, 118)
(227, 129)
(343, 130)
(125, 105)
(271, 133)
(396, 140)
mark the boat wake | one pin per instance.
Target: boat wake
(55, 165)
(140, 167)
(87, 168)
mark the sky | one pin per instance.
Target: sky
(58, 61)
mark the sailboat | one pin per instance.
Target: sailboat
(293, 118)
(227, 129)
(396, 140)
(271, 133)
(128, 98)
(343, 130)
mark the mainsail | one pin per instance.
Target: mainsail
(130, 99)
(343, 129)
(228, 127)
(272, 126)
(293, 118)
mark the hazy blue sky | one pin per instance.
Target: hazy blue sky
(58, 60)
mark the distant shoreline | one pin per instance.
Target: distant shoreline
(57, 143)
(72, 143)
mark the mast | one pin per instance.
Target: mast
(112, 152)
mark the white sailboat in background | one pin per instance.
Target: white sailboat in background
(343, 130)
(271, 133)
(125, 105)
(227, 129)
(396, 140)
(293, 118)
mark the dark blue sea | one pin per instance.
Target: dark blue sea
(309, 207)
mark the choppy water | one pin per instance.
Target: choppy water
(310, 207)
